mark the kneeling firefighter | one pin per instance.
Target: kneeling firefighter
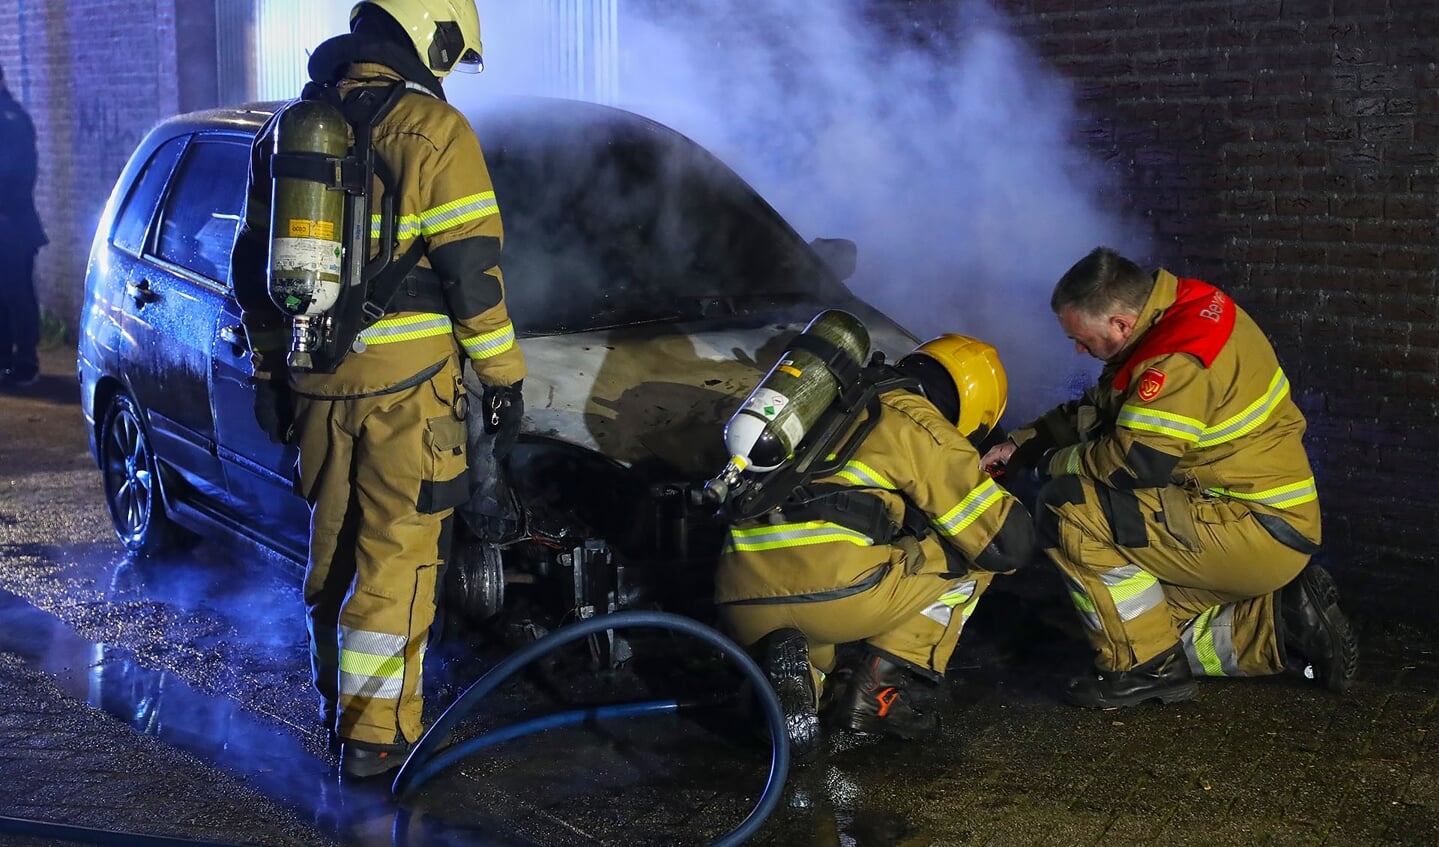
(889, 538)
(383, 242)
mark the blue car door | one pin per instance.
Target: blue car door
(174, 298)
(259, 473)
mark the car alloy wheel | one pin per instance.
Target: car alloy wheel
(132, 481)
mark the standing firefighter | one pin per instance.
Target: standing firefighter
(21, 236)
(892, 549)
(379, 416)
(1180, 504)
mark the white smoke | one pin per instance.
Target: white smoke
(946, 155)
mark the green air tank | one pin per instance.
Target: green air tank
(775, 417)
(307, 217)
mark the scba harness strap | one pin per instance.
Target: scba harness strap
(854, 509)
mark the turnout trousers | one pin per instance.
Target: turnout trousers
(915, 619)
(19, 314)
(382, 475)
(1149, 567)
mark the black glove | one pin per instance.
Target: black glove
(503, 406)
(274, 408)
(1039, 474)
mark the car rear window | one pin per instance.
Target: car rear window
(202, 209)
(134, 216)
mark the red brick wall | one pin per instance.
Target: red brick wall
(95, 76)
(1288, 152)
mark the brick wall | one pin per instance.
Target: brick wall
(95, 76)
(1288, 152)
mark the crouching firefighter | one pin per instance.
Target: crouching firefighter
(878, 526)
(367, 272)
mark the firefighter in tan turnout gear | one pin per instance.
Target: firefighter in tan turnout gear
(382, 437)
(1180, 505)
(803, 579)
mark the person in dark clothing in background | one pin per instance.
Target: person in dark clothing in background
(21, 237)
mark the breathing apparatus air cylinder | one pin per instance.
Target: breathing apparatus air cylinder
(782, 409)
(307, 223)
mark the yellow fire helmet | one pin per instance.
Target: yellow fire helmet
(446, 33)
(976, 390)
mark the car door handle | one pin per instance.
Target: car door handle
(141, 292)
(235, 337)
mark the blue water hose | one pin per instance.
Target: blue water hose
(428, 757)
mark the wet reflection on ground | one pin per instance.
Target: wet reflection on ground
(243, 620)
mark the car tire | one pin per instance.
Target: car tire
(131, 478)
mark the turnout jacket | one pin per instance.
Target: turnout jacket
(1199, 402)
(20, 228)
(914, 453)
(445, 197)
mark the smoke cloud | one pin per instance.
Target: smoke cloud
(944, 152)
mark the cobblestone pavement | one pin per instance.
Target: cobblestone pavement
(109, 721)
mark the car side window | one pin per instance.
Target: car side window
(203, 208)
(134, 217)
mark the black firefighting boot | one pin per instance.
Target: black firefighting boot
(1318, 641)
(1165, 678)
(786, 662)
(875, 699)
(362, 760)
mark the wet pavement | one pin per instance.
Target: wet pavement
(169, 698)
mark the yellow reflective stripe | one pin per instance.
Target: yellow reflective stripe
(407, 328)
(491, 343)
(1082, 602)
(440, 218)
(1248, 420)
(776, 536)
(1164, 423)
(1071, 460)
(1134, 591)
(406, 227)
(372, 664)
(456, 212)
(1203, 644)
(1281, 497)
(858, 473)
(959, 594)
(956, 520)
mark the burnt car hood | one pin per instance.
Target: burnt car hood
(656, 397)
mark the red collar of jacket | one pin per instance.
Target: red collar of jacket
(1198, 323)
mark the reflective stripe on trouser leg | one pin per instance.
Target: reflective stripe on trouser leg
(1208, 646)
(1247, 645)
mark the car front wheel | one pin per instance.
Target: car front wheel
(132, 483)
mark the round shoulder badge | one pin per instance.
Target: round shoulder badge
(1151, 382)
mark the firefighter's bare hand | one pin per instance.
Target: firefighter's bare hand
(998, 456)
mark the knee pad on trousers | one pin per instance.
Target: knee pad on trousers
(1061, 491)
